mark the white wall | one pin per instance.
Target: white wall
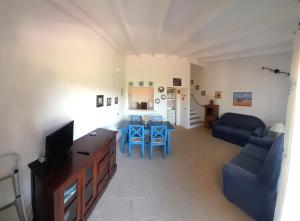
(270, 91)
(52, 68)
(161, 70)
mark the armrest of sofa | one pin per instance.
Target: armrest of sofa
(217, 122)
(258, 132)
(262, 142)
(243, 189)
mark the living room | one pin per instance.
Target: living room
(59, 57)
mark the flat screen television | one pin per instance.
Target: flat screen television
(58, 145)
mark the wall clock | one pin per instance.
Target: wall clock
(161, 89)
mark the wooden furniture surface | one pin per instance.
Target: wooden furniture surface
(88, 174)
(211, 114)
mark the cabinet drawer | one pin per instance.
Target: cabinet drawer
(102, 167)
(101, 185)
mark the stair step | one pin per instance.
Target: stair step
(195, 122)
(193, 114)
(195, 118)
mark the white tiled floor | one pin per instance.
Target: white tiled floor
(184, 187)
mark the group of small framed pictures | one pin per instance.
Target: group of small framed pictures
(140, 84)
(100, 101)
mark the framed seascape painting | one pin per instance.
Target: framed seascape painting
(242, 99)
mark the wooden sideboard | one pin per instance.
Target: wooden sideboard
(71, 191)
(211, 114)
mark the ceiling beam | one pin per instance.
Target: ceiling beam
(203, 21)
(165, 7)
(274, 19)
(245, 47)
(266, 50)
(125, 26)
(65, 9)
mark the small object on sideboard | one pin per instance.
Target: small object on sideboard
(93, 133)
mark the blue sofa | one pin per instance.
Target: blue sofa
(237, 128)
(250, 179)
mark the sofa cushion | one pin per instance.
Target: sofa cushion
(242, 121)
(255, 152)
(248, 163)
(232, 131)
(270, 171)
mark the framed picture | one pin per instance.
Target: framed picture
(218, 94)
(157, 100)
(242, 99)
(108, 101)
(192, 81)
(176, 81)
(197, 87)
(163, 97)
(99, 100)
(150, 83)
(141, 83)
(203, 93)
(116, 100)
(130, 84)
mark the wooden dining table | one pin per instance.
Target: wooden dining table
(123, 126)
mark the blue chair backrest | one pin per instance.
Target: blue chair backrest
(156, 118)
(136, 131)
(242, 121)
(159, 132)
(136, 118)
(270, 171)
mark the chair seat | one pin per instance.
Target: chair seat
(232, 131)
(136, 139)
(158, 140)
(248, 163)
(255, 152)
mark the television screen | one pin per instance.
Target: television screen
(58, 145)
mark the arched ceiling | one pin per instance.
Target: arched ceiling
(201, 30)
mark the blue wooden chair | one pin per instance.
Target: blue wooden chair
(136, 136)
(136, 118)
(158, 138)
(157, 118)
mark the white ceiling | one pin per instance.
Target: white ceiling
(201, 30)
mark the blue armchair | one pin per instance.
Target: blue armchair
(250, 179)
(237, 128)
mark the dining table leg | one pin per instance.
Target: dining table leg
(169, 143)
(123, 140)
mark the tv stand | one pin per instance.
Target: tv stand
(71, 191)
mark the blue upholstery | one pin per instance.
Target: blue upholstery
(136, 136)
(255, 152)
(158, 138)
(136, 118)
(156, 118)
(237, 128)
(250, 179)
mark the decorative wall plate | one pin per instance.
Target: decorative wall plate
(161, 89)
(163, 97)
(157, 100)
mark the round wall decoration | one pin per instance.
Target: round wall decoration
(163, 97)
(161, 89)
(157, 100)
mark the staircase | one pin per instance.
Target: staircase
(195, 120)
